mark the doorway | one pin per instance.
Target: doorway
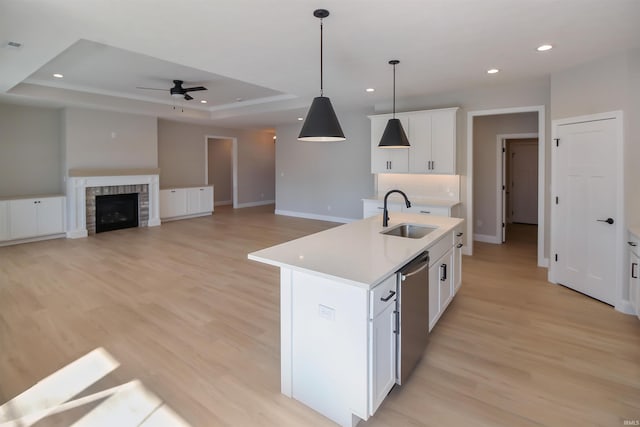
(221, 169)
(517, 190)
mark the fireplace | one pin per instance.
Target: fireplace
(116, 211)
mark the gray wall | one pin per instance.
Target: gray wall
(105, 139)
(325, 178)
(608, 84)
(182, 159)
(485, 164)
(219, 168)
(30, 151)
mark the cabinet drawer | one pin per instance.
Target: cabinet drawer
(440, 248)
(382, 296)
(428, 210)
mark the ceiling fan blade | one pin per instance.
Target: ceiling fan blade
(193, 89)
(188, 97)
(151, 88)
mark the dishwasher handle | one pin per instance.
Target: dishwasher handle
(424, 265)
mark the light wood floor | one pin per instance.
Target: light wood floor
(183, 310)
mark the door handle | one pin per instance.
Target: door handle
(608, 220)
(391, 294)
(634, 273)
(443, 272)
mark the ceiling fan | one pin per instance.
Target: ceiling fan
(177, 90)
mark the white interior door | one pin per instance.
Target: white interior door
(586, 215)
(523, 186)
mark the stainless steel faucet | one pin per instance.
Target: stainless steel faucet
(385, 213)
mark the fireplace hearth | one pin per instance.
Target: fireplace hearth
(116, 211)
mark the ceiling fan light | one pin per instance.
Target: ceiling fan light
(321, 124)
(394, 135)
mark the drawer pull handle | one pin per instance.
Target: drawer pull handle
(634, 273)
(459, 245)
(391, 294)
(427, 212)
(632, 243)
(459, 234)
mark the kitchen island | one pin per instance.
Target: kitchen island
(338, 351)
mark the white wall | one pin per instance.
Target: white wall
(182, 159)
(326, 179)
(30, 151)
(104, 139)
(485, 164)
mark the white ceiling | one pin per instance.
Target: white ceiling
(267, 52)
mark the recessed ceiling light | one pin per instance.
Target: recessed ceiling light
(58, 76)
(544, 47)
(300, 118)
(370, 89)
(493, 71)
(203, 101)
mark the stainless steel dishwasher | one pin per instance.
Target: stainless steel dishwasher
(412, 326)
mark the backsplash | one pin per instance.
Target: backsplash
(444, 187)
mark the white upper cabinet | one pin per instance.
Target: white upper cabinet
(387, 160)
(432, 135)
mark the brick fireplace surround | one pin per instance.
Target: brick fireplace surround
(83, 185)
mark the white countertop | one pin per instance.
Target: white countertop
(356, 252)
(417, 201)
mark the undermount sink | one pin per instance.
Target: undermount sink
(410, 231)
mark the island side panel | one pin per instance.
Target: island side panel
(285, 331)
(329, 359)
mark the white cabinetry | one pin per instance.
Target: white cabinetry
(441, 257)
(37, 217)
(634, 272)
(387, 160)
(178, 203)
(457, 259)
(383, 342)
(432, 139)
(372, 207)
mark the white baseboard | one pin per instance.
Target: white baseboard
(77, 234)
(315, 216)
(487, 239)
(626, 307)
(176, 218)
(544, 262)
(223, 203)
(252, 204)
(33, 239)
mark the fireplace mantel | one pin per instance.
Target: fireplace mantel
(79, 179)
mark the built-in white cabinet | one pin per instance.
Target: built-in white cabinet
(28, 218)
(179, 203)
(372, 207)
(383, 342)
(441, 277)
(634, 272)
(432, 139)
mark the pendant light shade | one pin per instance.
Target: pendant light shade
(321, 123)
(394, 135)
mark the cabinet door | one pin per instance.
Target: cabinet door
(50, 213)
(23, 218)
(383, 338)
(420, 140)
(444, 278)
(206, 199)
(443, 142)
(634, 281)
(4, 220)
(387, 160)
(173, 203)
(193, 200)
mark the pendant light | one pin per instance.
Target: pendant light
(394, 136)
(321, 123)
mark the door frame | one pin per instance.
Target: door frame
(500, 175)
(540, 109)
(620, 303)
(234, 164)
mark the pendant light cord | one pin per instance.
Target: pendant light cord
(321, 87)
(394, 91)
